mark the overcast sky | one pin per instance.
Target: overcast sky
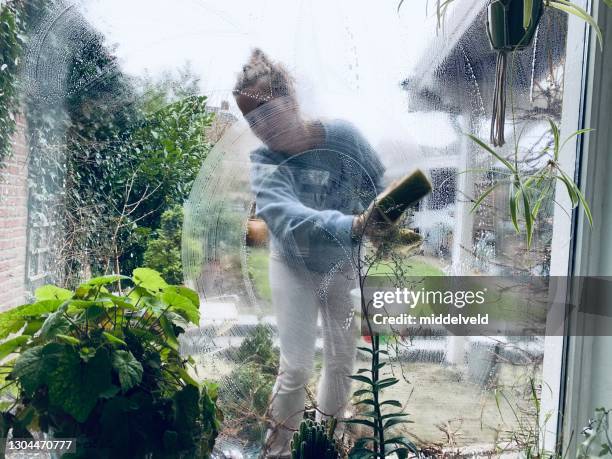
(348, 56)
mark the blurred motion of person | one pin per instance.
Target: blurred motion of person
(313, 181)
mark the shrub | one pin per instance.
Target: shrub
(164, 249)
(258, 348)
(103, 366)
(249, 386)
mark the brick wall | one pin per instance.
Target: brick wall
(13, 222)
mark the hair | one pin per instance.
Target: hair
(260, 67)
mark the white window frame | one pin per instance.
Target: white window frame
(589, 254)
(577, 46)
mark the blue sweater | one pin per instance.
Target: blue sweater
(308, 200)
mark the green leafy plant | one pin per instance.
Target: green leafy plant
(102, 365)
(147, 171)
(110, 158)
(258, 348)
(529, 191)
(247, 396)
(380, 416)
(10, 49)
(14, 17)
(528, 423)
(598, 441)
(164, 249)
(315, 440)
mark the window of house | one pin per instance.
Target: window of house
(141, 157)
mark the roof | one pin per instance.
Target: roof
(457, 68)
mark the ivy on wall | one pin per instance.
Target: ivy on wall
(11, 44)
(15, 15)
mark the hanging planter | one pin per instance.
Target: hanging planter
(511, 25)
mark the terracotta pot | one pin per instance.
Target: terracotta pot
(257, 232)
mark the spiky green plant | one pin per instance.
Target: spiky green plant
(315, 440)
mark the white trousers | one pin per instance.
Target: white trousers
(299, 296)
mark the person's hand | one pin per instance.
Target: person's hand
(373, 223)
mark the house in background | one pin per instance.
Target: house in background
(454, 83)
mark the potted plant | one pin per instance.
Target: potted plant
(530, 191)
(381, 417)
(511, 25)
(315, 440)
(102, 365)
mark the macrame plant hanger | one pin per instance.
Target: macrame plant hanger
(511, 25)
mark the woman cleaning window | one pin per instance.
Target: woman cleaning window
(313, 182)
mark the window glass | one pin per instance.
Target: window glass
(141, 156)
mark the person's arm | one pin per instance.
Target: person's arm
(288, 219)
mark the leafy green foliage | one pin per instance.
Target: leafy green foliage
(75, 141)
(314, 440)
(380, 416)
(149, 170)
(102, 365)
(386, 259)
(121, 156)
(163, 251)
(9, 346)
(127, 367)
(171, 147)
(597, 436)
(14, 18)
(74, 386)
(247, 396)
(258, 348)
(10, 49)
(529, 191)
